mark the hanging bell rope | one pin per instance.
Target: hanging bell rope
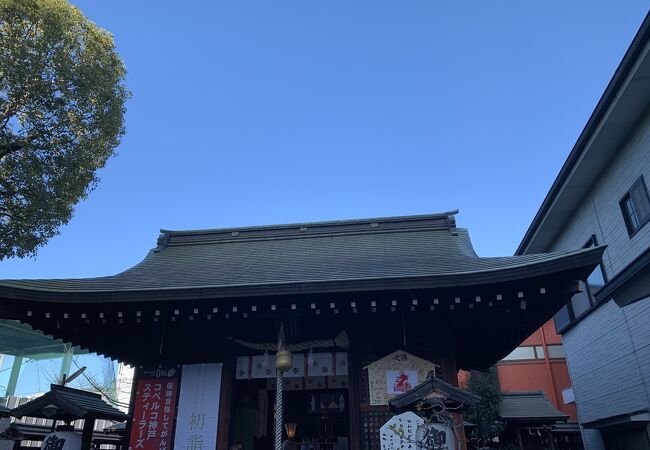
(341, 341)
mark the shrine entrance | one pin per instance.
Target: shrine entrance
(316, 408)
(321, 418)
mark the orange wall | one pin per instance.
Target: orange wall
(534, 375)
(518, 376)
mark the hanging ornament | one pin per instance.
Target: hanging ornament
(310, 358)
(265, 360)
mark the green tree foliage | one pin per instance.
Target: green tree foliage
(485, 415)
(62, 105)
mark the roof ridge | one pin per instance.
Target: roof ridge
(228, 239)
(61, 388)
(439, 221)
(383, 219)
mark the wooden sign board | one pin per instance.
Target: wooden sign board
(395, 374)
(400, 432)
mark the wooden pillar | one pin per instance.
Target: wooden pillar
(459, 428)
(87, 433)
(451, 375)
(225, 403)
(354, 391)
(519, 439)
(450, 371)
(550, 437)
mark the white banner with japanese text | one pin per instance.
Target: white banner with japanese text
(198, 407)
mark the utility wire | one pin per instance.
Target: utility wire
(105, 394)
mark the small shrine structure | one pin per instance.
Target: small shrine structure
(67, 405)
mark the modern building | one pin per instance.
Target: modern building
(600, 197)
(355, 312)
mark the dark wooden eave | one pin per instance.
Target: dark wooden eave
(71, 404)
(200, 286)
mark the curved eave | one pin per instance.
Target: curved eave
(580, 263)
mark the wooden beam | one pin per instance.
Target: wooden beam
(225, 403)
(87, 434)
(354, 398)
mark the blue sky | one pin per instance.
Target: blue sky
(247, 113)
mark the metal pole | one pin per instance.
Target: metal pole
(547, 362)
(13, 377)
(66, 362)
(279, 409)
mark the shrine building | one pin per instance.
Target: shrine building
(355, 311)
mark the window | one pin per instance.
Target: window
(636, 207)
(521, 353)
(568, 395)
(525, 352)
(585, 300)
(556, 351)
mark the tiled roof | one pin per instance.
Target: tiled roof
(451, 395)
(315, 255)
(528, 407)
(71, 404)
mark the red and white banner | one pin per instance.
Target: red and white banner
(153, 412)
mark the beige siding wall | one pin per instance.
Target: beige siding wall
(608, 352)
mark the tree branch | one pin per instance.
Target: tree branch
(12, 108)
(6, 149)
